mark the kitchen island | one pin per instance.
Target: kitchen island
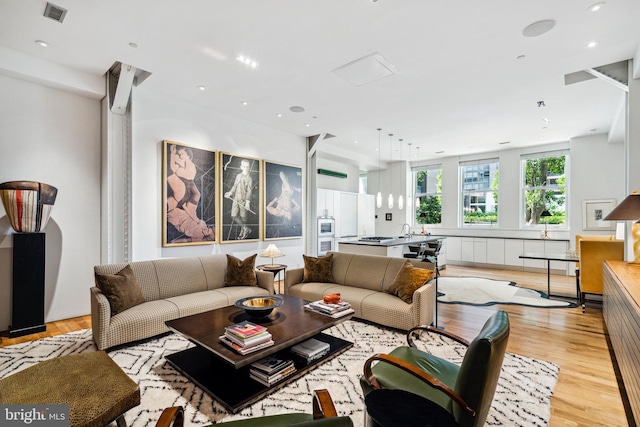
(395, 246)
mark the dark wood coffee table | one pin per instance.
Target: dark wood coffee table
(223, 373)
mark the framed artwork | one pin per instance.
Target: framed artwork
(188, 195)
(240, 201)
(283, 201)
(593, 212)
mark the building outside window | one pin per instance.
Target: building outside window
(479, 181)
(428, 193)
(544, 187)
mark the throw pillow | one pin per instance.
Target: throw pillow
(121, 289)
(241, 272)
(408, 280)
(318, 269)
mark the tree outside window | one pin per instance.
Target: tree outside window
(428, 190)
(544, 188)
(480, 193)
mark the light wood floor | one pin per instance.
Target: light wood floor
(587, 391)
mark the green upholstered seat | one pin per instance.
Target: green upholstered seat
(324, 415)
(285, 420)
(466, 391)
(96, 389)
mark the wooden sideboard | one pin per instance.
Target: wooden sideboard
(621, 310)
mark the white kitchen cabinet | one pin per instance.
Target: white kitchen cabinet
(513, 248)
(325, 202)
(480, 250)
(366, 215)
(347, 215)
(454, 248)
(467, 249)
(395, 251)
(536, 246)
(495, 251)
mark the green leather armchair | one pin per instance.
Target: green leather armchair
(324, 415)
(465, 391)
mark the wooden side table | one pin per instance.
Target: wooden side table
(273, 268)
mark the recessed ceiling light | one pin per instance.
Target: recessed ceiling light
(504, 142)
(133, 45)
(201, 87)
(307, 124)
(251, 63)
(538, 28)
(596, 7)
(278, 115)
(42, 43)
(355, 141)
(521, 56)
(592, 44)
(546, 120)
(296, 109)
(245, 103)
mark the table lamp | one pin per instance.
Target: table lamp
(545, 213)
(629, 209)
(271, 252)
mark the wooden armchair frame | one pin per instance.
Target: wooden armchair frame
(323, 407)
(417, 372)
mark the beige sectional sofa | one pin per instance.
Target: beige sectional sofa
(361, 281)
(172, 288)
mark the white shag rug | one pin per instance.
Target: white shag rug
(522, 397)
(481, 291)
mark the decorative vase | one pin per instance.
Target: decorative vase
(28, 204)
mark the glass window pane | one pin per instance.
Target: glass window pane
(480, 194)
(544, 188)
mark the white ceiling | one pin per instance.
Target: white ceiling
(460, 87)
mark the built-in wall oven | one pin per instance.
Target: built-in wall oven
(326, 226)
(326, 234)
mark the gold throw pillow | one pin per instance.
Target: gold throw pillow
(318, 269)
(408, 280)
(121, 289)
(241, 272)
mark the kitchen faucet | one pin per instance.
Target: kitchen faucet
(407, 234)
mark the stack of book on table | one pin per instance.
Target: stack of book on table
(271, 369)
(246, 337)
(336, 310)
(311, 349)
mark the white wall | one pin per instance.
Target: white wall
(155, 118)
(597, 172)
(53, 136)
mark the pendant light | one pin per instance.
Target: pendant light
(417, 160)
(409, 197)
(379, 195)
(390, 200)
(400, 196)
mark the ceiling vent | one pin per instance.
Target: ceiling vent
(55, 12)
(366, 70)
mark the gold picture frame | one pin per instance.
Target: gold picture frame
(188, 195)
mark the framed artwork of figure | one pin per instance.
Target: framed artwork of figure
(283, 201)
(240, 201)
(189, 196)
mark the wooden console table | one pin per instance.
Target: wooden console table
(621, 310)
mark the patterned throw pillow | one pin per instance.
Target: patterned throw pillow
(121, 289)
(241, 272)
(408, 280)
(318, 269)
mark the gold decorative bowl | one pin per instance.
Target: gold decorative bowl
(260, 306)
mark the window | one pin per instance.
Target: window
(428, 191)
(479, 180)
(544, 188)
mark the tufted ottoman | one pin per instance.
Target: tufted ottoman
(95, 388)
